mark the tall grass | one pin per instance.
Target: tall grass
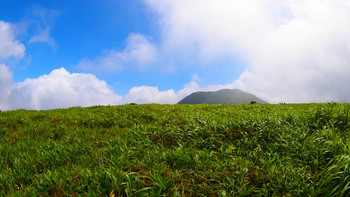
(177, 150)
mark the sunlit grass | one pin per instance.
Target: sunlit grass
(177, 150)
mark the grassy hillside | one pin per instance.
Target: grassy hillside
(177, 150)
(224, 96)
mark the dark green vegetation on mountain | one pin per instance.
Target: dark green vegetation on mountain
(177, 150)
(225, 96)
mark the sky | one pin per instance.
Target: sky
(63, 53)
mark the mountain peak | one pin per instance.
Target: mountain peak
(224, 96)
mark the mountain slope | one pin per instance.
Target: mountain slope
(225, 96)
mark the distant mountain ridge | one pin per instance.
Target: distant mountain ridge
(224, 96)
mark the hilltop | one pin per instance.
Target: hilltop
(224, 96)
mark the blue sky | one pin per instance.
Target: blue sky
(78, 29)
(85, 29)
(154, 51)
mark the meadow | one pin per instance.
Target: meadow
(177, 150)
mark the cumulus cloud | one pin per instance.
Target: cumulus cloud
(149, 94)
(59, 89)
(138, 54)
(295, 51)
(9, 46)
(5, 85)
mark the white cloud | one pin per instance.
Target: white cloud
(195, 77)
(42, 20)
(59, 89)
(307, 59)
(296, 51)
(9, 47)
(5, 86)
(43, 37)
(138, 54)
(148, 94)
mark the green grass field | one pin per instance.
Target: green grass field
(177, 150)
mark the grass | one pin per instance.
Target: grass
(177, 150)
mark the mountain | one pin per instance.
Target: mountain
(225, 96)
